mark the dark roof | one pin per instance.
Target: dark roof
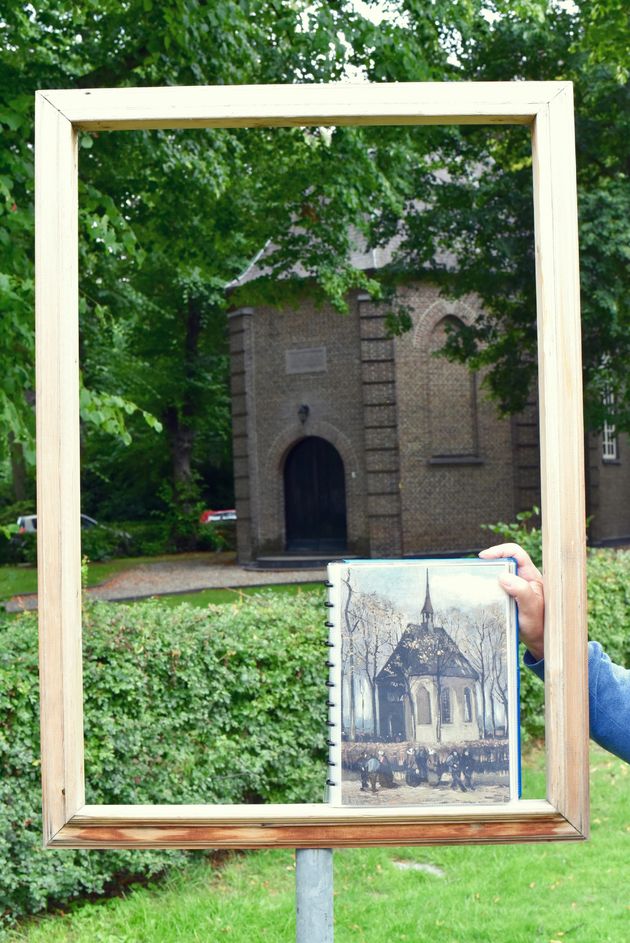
(423, 650)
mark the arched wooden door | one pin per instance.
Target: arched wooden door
(315, 497)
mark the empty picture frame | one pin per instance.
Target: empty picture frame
(547, 107)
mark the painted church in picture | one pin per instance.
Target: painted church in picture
(347, 441)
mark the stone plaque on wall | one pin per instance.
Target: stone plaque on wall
(305, 360)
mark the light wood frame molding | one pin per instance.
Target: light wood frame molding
(547, 107)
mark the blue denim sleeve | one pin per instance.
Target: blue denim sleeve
(608, 697)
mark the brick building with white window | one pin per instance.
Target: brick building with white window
(349, 442)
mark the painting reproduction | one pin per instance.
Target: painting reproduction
(424, 683)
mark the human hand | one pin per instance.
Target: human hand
(528, 591)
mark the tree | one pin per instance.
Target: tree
(481, 637)
(349, 628)
(482, 209)
(160, 247)
(144, 231)
(377, 627)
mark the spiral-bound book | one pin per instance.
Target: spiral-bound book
(423, 690)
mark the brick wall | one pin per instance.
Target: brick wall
(308, 357)
(426, 457)
(456, 456)
(608, 504)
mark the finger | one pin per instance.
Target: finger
(526, 591)
(531, 606)
(526, 568)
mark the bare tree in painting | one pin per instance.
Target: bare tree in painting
(375, 627)
(350, 624)
(480, 635)
(498, 673)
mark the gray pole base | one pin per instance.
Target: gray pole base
(314, 895)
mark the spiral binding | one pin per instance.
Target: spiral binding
(330, 684)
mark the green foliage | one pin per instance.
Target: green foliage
(608, 574)
(523, 531)
(482, 211)
(181, 705)
(109, 413)
(9, 529)
(148, 538)
(517, 893)
(608, 594)
(18, 548)
(104, 543)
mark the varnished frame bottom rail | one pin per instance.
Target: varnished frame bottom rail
(547, 108)
(104, 827)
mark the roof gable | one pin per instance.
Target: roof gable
(425, 650)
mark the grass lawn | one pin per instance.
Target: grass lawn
(553, 893)
(16, 580)
(214, 597)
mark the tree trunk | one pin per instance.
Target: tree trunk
(18, 469)
(482, 685)
(179, 422)
(353, 706)
(492, 715)
(372, 684)
(181, 439)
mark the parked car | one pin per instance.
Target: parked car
(213, 517)
(27, 523)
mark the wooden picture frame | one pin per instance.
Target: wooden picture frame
(547, 107)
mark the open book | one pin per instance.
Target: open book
(423, 687)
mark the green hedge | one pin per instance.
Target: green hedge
(192, 705)
(181, 705)
(608, 591)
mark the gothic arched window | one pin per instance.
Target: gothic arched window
(467, 705)
(423, 706)
(445, 706)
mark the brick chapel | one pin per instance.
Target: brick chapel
(349, 442)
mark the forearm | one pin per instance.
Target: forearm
(609, 700)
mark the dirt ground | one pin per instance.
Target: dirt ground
(486, 789)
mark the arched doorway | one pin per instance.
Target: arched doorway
(314, 497)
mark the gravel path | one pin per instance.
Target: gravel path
(192, 573)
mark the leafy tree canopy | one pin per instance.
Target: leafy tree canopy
(168, 219)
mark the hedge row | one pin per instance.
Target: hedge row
(191, 705)
(222, 704)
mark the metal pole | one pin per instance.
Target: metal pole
(314, 895)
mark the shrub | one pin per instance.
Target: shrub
(181, 705)
(18, 548)
(148, 538)
(104, 542)
(522, 531)
(608, 593)
(608, 577)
